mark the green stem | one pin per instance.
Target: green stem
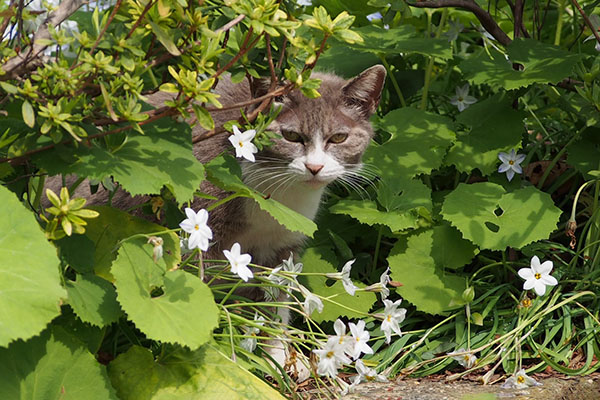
(394, 81)
(222, 201)
(377, 246)
(559, 22)
(550, 166)
(430, 64)
(38, 192)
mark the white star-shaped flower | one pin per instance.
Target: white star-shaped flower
(464, 358)
(341, 337)
(311, 302)
(196, 226)
(242, 142)
(366, 374)
(331, 357)
(462, 100)
(392, 317)
(520, 380)
(510, 163)
(304, 3)
(346, 281)
(381, 286)
(374, 16)
(239, 262)
(360, 339)
(455, 27)
(538, 276)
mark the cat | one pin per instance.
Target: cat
(321, 140)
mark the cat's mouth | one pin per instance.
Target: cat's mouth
(315, 183)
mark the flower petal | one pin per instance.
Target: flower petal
(546, 267)
(503, 157)
(549, 280)
(525, 273)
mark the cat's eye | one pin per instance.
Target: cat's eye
(292, 136)
(338, 138)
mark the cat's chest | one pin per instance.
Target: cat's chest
(264, 237)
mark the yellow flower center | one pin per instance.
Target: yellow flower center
(329, 354)
(511, 162)
(241, 144)
(358, 339)
(538, 276)
(196, 227)
(341, 340)
(389, 318)
(520, 379)
(526, 303)
(466, 358)
(369, 378)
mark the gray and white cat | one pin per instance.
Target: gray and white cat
(323, 139)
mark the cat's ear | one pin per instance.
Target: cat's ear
(365, 89)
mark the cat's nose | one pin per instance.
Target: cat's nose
(314, 168)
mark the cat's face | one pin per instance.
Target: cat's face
(322, 139)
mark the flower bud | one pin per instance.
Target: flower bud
(469, 294)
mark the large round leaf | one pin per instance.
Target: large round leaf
(184, 313)
(30, 290)
(493, 219)
(52, 366)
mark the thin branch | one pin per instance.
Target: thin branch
(282, 55)
(231, 23)
(139, 20)
(587, 20)
(103, 31)
(483, 16)
(265, 101)
(518, 21)
(270, 62)
(7, 18)
(16, 65)
(317, 55)
(243, 50)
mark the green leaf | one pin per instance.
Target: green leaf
(322, 260)
(203, 116)
(30, 290)
(54, 365)
(414, 263)
(94, 300)
(184, 313)
(204, 374)
(28, 114)
(584, 153)
(402, 39)
(449, 249)
(165, 38)
(493, 219)
(225, 172)
(495, 127)
(366, 212)
(543, 63)
(112, 226)
(142, 165)
(417, 146)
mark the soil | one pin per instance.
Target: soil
(554, 388)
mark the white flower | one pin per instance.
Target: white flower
(344, 276)
(510, 163)
(538, 276)
(346, 281)
(391, 318)
(520, 380)
(331, 357)
(239, 262)
(361, 338)
(196, 226)
(374, 16)
(381, 286)
(311, 302)
(341, 337)
(291, 267)
(464, 358)
(242, 142)
(366, 374)
(249, 344)
(462, 100)
(455, 28)
(304, 3)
